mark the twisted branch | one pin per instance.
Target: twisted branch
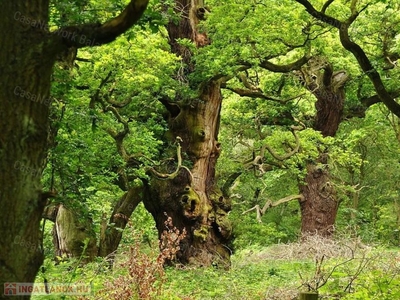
(163, 176)
(287, 155)
(355, 49)
(261, 211)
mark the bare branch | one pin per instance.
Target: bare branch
(260, 212)
(326, 5)
(369, 101)
(320, 15)
(354, 12)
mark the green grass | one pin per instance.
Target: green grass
(338, 270)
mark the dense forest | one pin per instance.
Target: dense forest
(184, 149)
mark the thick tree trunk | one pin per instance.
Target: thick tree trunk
(72, 234)
(192, 198)
(25, 68)
(73, 237)
(320, 204)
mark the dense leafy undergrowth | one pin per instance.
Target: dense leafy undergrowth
(344, 269)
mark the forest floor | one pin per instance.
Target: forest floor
(336, 269)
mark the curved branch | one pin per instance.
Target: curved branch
(356, 50)
(257, 94)
(117, 104)
(320, 15)
(96, 34)
(261, 211)
(253, 91)
(229, 183)
(287, 155)
(326, 5)
(284, 68)
(117, 136)
(164, 176)
(369, 101)
(371, 72)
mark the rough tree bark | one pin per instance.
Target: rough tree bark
(319, 204)
(72, 232)
(73, 237)
(111, 232)
(28, 52)
(190, 196)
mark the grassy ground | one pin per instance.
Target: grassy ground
(338, 270)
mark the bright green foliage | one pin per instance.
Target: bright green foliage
(374, 184)
(243, 31)
(363, 156)
(84, 162)
(256, 273)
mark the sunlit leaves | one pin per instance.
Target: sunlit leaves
(243, 31)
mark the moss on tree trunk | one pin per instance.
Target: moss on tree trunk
(192, 199)
(25, 68)
(74, 237)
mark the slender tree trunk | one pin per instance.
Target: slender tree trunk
(25, 68)
(320, 204)
(111, 233)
